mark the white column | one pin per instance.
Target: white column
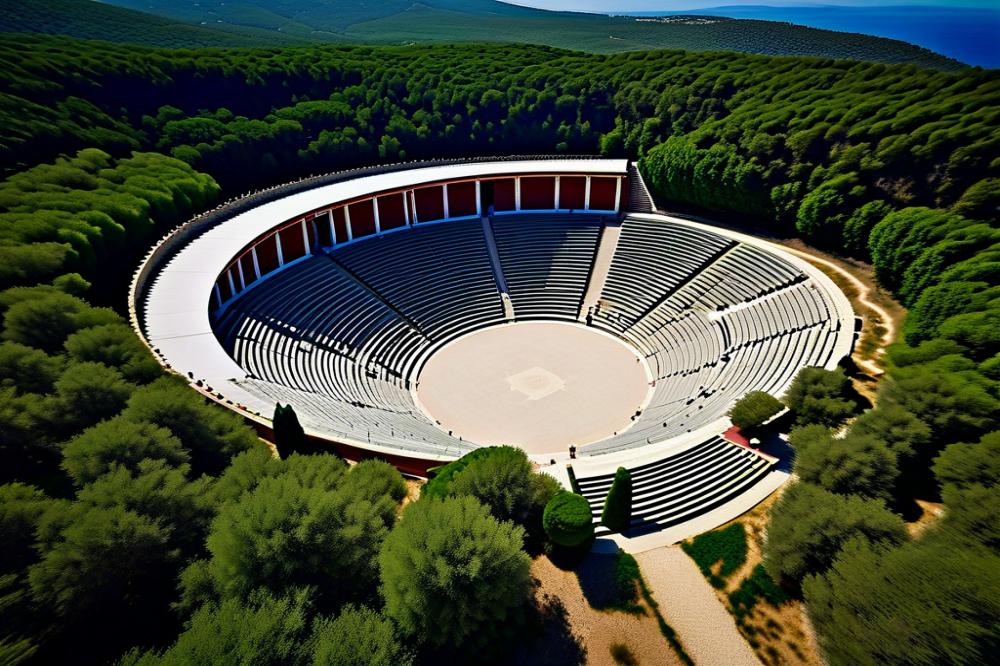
(406, 208)
(218, 295)
(305, 237)
(479, 201)
(618, 194)
(347, 223)
(232, 285)
(444, 199)
(239, 269)
(378, 224)
(277, 244)
(256, 265)
(557, 193)
(586, 195)
(517, 193)
(333, 227)
(413, 201)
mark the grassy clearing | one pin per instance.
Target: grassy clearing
(720, 553)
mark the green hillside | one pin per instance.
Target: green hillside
(94, 20)
(285, 22)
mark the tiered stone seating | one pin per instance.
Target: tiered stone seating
(682, 486)
(546, 262)
(439, 275)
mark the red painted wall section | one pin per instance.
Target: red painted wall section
(390, 212)
(572, 192)
(430, 203)
(340, 224)
(246, 261)
(538, 193)
(267, 255)
(224, 289)
(602, 193)
(362, 218)
(292, 244)
(462, 199)
(323, 229)
(503, 194)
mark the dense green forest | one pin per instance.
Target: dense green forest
(140, 521)
(257, 23)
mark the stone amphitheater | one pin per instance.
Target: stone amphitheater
(417, 312)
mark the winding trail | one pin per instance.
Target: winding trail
(863, 292)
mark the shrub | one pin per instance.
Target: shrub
(617, 514)
(855, 465)
(754, 408)
(726, 546)
(819, 396)
(441, 477)
(568, 520)
(453, 575)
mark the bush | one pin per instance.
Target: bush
(358, 636)
(568, 520)
(854, 465)
(453, 575)
(823, 397)
(439, 483)
(754, 408)
(727, 546)
(809, 525)
(617, 514)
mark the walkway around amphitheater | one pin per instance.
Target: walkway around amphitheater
(689, 605)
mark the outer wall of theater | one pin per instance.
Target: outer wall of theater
(346, 221)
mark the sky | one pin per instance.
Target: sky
(617, 6)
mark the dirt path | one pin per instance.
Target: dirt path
(864, 291)
(690, 606)
(598, 630)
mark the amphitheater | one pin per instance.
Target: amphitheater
(415, 312)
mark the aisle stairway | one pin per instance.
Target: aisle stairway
(639, 199)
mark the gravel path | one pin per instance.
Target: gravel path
(690, 606)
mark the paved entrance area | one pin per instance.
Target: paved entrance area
(539, 385)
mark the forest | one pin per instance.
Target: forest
(155, 528)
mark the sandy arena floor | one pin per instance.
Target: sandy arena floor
(538, 385)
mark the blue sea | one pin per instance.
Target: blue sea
(969, 35)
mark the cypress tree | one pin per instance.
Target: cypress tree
(289, 437)
(617, 514)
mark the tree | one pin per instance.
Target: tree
(21, 509)
(358, 636)
(107, 574)
(617, 513)
(122, 442)
(754, 409)
(289, 437)
(85, 394)
(116, 346)
(502, 481)
(28, 370)
(158, 490)
(212, 434)
(969, 475)
(298, 529)
(855, 465)
(926, 602)
(819, 396)
(809, 525)
(453, 576)
(568, 519)
(265, 629)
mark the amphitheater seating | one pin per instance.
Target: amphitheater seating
(683, 485)
(438, 274)
(546, 262)
(342, 335)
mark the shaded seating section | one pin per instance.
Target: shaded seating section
(439, 275)
(547, 262)
(682, 486)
